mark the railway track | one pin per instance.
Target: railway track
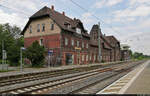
(90, 89)
(37, 76)
(23, 79)
(48, 85)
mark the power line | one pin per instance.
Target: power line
(26, 14)
(92, 14)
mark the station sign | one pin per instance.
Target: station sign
(50, 52)
(77, 48)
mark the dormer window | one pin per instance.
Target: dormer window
(78, 30)
(67, 24)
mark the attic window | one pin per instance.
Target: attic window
(78, 30)
(67, 25)
(52, 26)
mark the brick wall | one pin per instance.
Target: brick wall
(50, 41)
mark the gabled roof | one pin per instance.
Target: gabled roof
(112, 40)
(103, 39)
(95, 29)
(58, 18)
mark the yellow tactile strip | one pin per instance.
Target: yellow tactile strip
(121, 84)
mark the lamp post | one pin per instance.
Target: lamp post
(2, 53)
(99, 42)
(21, 64)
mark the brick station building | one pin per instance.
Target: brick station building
(66, 38)
(116, 49)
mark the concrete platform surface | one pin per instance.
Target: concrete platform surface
(142, 84)
(135, 82)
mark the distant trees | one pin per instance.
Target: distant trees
(35, 53)
(140, 56)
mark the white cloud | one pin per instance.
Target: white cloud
(87, 18)
(142, 10)
(113, 2)
(107, 3)
(12, 18)
(133, 2)
(100, 4)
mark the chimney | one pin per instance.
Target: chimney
(52, 7)
(63, 13)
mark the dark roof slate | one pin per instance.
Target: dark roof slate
(59, 18)
(112, 40)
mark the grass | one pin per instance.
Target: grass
(2, 71)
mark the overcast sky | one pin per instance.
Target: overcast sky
(128, 20)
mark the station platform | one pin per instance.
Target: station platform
(142, 83)
(37, 70)
(135, 82)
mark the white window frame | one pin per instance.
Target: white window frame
(82, 44)
(68, 26)
(38, 27)
(66, 41)
(78, 30)
(72, 42)
(72, 58)
(87, 45)
(90, 57)
(41, 43)
(94, 57)
(87, 57)
(78, 43)
(43, 27)
(83, 58)
(52, 26)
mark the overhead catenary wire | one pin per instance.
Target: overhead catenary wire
(96, 17)
(93, 15)
(24, 13)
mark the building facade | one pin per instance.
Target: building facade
(125, 52)
(116, 50)
(106, 48)
(66, 38)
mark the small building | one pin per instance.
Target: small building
(125, 52)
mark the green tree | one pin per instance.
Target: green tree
(14, 51)
(12, 42)
(35, 53)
